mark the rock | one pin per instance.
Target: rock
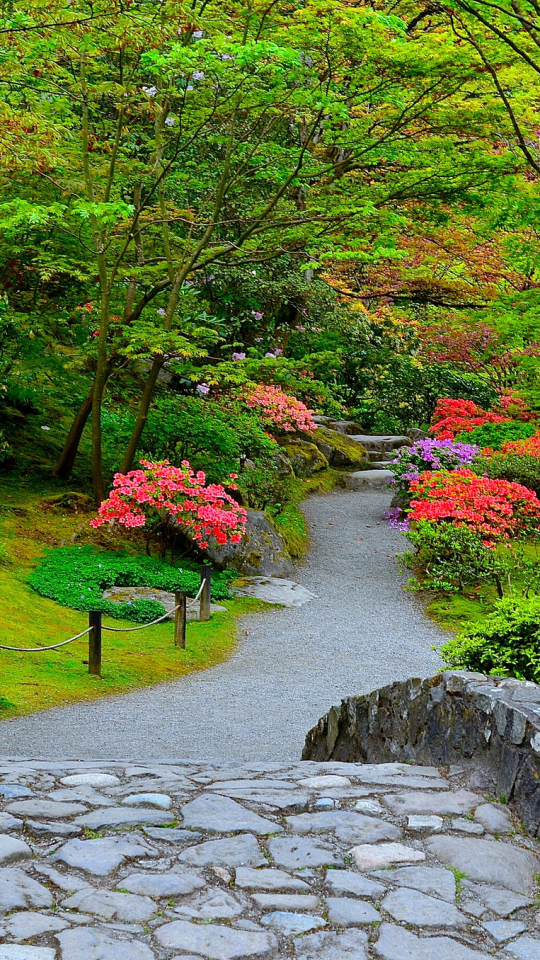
(526, 948)
(9, 824)
(466, 826)
(123, 817)
(349, 945)
(345, 881)
(159, 800)
(497, 900)
(214, 941)
(269, 879)
(212, 904)
(87, 943)
(347, 427)
(487, 860)
(11, 791)
(414, 433)
(161, 884)
(14, 952)
(370, 857)
(111, 906)
(19, 892)
(261, 552)
(324, 782)
(223, 815)
(421, 910)
(358, 828)
(395, 943)
(102, 855)
(38, 829)
(346, 912)
(166, 599)
(285, 901)
(232, 852)
(401, 804)
(502, 930)
(286, 593)
(45, 809)
(424, 824)
(293, 853)
(91, 780)
(339, 448)
(433, 880)
(292, 924)
(494, 818)
(24, 926)
(12, 850)
(368, 480)
(172, 835)
(306, 458)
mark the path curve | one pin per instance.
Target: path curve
(362, 632)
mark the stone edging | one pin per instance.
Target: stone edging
(448, 718)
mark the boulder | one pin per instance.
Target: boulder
(416, 434)
(261, 552)
(339, 449)
(306, 457)
(347, 427)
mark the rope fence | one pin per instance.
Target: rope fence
(95, 627)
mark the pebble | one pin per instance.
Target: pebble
(417, 824)
(91, 780)
(159, 800)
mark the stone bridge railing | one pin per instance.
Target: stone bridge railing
(447, 719)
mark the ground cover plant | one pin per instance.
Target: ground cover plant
(76, 577)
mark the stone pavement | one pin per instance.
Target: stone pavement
(315, 861)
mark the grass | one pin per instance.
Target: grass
(36, 681)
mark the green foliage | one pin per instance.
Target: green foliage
(506, 644)
(517, 468)
(77, 576)
(264, 485)
(495, 434)
(449, 558)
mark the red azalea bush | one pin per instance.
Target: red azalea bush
(530, 447)
(451, 417)
(144, 498)
(510, 405)
(495, 509)
(279, 410)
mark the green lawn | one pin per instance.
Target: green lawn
(35, 681)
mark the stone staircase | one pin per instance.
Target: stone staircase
(381, 450)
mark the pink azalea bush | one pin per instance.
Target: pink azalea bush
(279, 410)
(145, 497)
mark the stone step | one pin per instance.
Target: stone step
(381, 443)
(368, 479)
(380, 464)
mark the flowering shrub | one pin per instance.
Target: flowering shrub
(429, 454)
(527, 447)
(496, 509)
(280, 410)
(510, 405)
(147, 497)
(451, 417)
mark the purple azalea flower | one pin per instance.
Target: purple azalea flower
(203, 388)
(239, 356)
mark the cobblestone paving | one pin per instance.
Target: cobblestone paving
(179, 861)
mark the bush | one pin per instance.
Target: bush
(494, 435)
(506, 644)
(513, 467)
(76, 577)
(457, 416)
(450, 558)
(429, 454)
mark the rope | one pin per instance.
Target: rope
(141, 625)
(201, 588)
(53, 646)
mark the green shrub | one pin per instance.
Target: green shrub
(77, 576)
(514, 467)
(449, 558)
(506, 644)
(495, 434)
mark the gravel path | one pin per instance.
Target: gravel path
(362, 632)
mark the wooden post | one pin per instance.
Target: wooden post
(206, 576)
(180, 617)
(94, 642)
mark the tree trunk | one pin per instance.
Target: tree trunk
(64, 467)
(142, 415)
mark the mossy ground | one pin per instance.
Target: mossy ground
(35, 681)
(290, 521)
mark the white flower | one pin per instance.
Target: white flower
(197, 34)
(169, 122)
(162, 312)
(150, 91)
(197, 75)
(45, 428)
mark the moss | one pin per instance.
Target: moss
(290, 522)
(305, 457)
(340, 449)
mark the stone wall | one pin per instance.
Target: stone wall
(447, 719)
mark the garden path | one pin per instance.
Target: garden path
(291, 665)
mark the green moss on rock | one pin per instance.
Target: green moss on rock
(339, 449)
